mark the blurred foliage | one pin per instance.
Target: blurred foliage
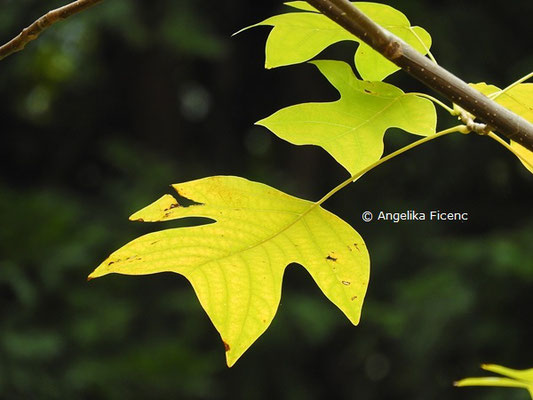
(508, 378)
(108, 108)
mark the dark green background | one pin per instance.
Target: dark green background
(107, 109)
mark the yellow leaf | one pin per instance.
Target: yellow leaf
(352, 128)
(513, 378)
(236, 264)
(299, 36)
(518, 99)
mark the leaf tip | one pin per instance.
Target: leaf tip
(355, 321)
(230, 360)
(159, 210)
(489, 367)
(245, 29)
(93, 275)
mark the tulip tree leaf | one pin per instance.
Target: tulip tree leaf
(518, 99)
(512, 378)
(299, 36)
(236, 264)
(351, 129)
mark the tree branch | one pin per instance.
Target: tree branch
(33, 31)
(429, 73)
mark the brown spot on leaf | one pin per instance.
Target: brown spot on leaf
(346, 283)
(368, 91)
(353, 298)
(154, 242)
(110, 263)
(170, 207)
(226, 346)
(139, 220)
(331, 258)
(356, 246)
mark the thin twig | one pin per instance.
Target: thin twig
(432, 75)
(33, 31)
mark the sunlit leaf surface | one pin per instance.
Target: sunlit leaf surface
(236, 264)
(512, 378)
(299, 36)
(518, 99)
(351, 129)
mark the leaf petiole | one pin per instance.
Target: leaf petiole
(457, 128)
(436, 101)
(512, 85)
(430, 55)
